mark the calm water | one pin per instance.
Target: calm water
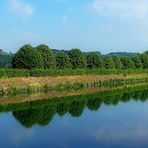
(109, 119)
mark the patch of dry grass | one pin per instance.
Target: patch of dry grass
(53, 81)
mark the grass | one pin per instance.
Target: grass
(30, 85)
(10, 73)
(16, 81)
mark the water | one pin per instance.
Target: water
(110, 119)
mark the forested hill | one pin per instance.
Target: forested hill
(122, 54)
(5, 59)
(56, 51)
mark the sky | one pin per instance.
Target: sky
(91, 25)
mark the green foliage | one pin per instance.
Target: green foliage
(77, 59)
(48, 57)
(42, 57)
(137, 61)
(144, 59)
(9, 73)
(94, 61)
(27, 58)
(62, 61)
(5, 61)
(117, 62)
(127, 63)
(109, 63)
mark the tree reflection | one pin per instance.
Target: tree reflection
(94, 104)
(30, 117)
(76, 108)
(42, 112)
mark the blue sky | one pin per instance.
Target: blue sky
(100, 25)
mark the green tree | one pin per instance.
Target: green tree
(127, 63)
(48, 57)
(108, 62)
(94, 61)
(137, 61)
(144, 59)
(77, 59)
(27, 58)
(62, 61)
(117, 62)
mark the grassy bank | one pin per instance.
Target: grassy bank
(10, 73)
(30, 85)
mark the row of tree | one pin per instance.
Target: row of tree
(41, 56)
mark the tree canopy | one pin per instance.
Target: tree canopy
(42, 57)
(109, 63)
(48, 57)
(137, 61)
(94, 61)
(62, 61)
(27, 58)
(77, 58)
(127, 62)
(117, 62)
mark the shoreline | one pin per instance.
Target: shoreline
(61, 87)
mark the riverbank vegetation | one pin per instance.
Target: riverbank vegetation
(30, 85)
(39, 69)
(10, 73)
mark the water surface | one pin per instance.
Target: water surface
(110, 119)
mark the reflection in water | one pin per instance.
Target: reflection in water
(116, 118)
(42, 112)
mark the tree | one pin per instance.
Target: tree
(77, 59)
(108, 62)
(27, 58)
(127, 62)
(62, 61)
(117, 62)
(94, 61)
(144, 59)
(48, 57)
(137, 61)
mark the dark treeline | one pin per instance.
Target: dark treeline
(42, 112)
(42, 57)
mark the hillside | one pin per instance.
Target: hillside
(121, 54)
